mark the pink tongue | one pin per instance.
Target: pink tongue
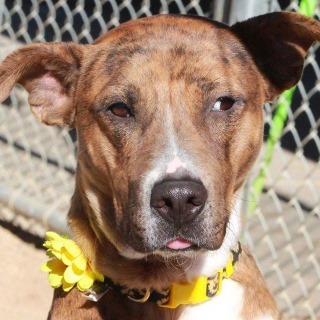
(177, 244)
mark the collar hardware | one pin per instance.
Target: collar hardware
(187, 293)
(143, 299)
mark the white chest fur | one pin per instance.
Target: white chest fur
(226, 306)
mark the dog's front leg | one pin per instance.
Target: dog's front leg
(72, 306)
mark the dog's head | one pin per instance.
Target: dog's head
(169, 117)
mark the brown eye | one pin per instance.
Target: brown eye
(120, 110)
(223, 103)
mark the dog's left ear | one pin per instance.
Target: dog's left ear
(278, 43)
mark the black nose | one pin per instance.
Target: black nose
(179, 201)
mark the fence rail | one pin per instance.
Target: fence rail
(37, 162)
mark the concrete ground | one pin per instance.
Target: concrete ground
(24, 290)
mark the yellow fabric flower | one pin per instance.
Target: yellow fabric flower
(67, 265)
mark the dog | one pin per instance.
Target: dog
(169, 118)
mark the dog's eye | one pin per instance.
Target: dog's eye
(223, 104)
(120, 110)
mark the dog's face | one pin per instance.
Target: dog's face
(165, 110)
(168, 112)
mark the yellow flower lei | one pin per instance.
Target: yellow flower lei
(67, 265)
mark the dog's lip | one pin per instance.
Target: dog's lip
(179, 244)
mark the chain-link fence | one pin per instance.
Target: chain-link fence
(37, 163)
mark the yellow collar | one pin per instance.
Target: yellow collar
(200, 290)
(67, 267)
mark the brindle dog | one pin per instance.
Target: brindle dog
(169, 117)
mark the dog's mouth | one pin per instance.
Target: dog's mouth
(180, 244)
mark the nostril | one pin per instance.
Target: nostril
(168, 202)
(158, 203)
(162, 203)
(195, 201)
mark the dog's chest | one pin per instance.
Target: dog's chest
(226, 306)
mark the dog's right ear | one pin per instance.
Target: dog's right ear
(49, 72)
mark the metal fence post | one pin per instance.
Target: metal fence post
(231, 11)
(244, 9)
(1, 13)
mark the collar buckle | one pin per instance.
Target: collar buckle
(94, 296)
(187, 293)
(143, 299)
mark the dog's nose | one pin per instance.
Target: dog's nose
(179, 201)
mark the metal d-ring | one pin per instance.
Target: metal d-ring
(143, 299)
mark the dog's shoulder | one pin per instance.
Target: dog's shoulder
(258, 302)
